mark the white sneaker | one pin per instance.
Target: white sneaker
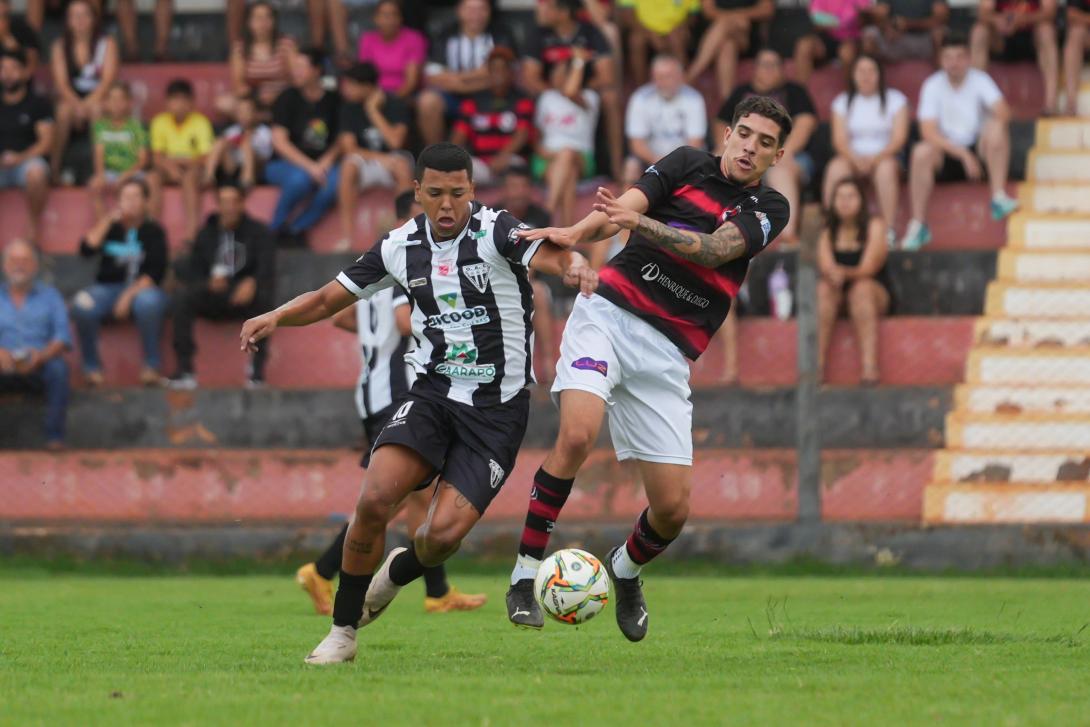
(381, 591)
(339, 646)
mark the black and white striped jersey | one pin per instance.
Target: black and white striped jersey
(385, 376)
(472, 302)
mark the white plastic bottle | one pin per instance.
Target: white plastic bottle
(779, 293)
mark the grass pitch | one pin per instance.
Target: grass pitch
(721, 650)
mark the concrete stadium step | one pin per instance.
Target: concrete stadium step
(960, 466)
(1049, 232)
(1022, 399)
(1066, 133)
(1018, 432)
(1026, 267)
(1038, 300)
(1048, 165)
(1032, 332)
(1055, 198)
(991, 365)
(985, 504)
(250, 487)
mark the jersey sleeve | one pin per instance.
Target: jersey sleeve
(368, 275)
(761, 225)
(509, 244)
(661, 178)
(400, 297)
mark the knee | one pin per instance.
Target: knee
(861, 297)
(430, 104)
(148, 304)
(37, 176)
(886, 170)
(922, 154)
(55, 371)
(83, 307)
(670, 517)
(372, 509)
(434, 544)
(576, 439)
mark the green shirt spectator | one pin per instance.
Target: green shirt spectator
(121, 144)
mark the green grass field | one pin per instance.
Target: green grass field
(738, 650)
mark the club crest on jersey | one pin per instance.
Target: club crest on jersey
(479, 274)
(730, 214)
(513, 235)
(450, 299)
(591, 364)
(443, 268)
(496, 472)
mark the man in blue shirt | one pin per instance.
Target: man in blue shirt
(33, 336)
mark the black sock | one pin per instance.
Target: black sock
(406, 568)
(329, 563)
(348, 604)
(435, 582)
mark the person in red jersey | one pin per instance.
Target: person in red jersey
(696, 220)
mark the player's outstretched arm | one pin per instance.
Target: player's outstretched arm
(568, 265)
(595, 227)
(302, 310)
(725, 244)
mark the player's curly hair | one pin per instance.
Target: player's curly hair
(444, 157)
(768, 107)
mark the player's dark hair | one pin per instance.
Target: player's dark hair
(954, 39)
(862, 218)
(768, 107)
(139, 184)
(571, 6)
(16, 54)
(180, 87)
(403, 203)
(316, 56)
(364, 73)
(852, 90)
(444, 157)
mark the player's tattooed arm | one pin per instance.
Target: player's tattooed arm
(710, 251)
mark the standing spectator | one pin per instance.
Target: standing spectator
(33, 337)
(84, 64)
(870, 130)
(396, 51)
(260, 61)
(1019, 30)
(727, 38)
(495, 125)
(458, 67)
(852, 255)
(26, 136)
(963, 118)
(242, 150)
(838, 28)
(662, 116)
(131, 250)
(905, 30)
(563, 38)
(181, 137)
(664, 27)
(566, 116)
(121, 148)
(231, 277)
(304, 129)
(1078, 27)
(374, 127)
(163, 16)
(16, 34)
(797, 167)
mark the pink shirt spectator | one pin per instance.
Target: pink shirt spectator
(391, 58)
(839, 18)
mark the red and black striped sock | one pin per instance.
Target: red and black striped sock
(644, 544)
(547, 499)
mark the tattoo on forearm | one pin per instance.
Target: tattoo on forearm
(711, 251)
(359, 546)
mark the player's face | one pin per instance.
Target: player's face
(445, 197)
(955, 61)
(750, 148)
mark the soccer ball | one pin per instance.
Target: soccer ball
(572, 586)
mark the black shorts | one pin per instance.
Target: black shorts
(952, 170)
(372, 427)
(472, 448)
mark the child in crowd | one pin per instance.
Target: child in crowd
(181, 137)
(121, 150)
(242, 150)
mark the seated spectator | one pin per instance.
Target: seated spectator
(181, 138)
(396, 51)
(565, 117)
(305, 119)
(838, 28)
(870, 130)
(1016, 30)
(517, 189)
(242, 150)
(373, 130)
(563, 38)
(163, 18)
(121, 149)
(727, 38)
(16, 34)
(905, 30)
(33, 337)
(662, 116)
(458, 67)
(852, 254)
(1078, 28)
(26, 136)
(796, 168)
(131, 249)
(231, 276)
(665, 28)
(260, 61)
(320, 13)
(963, 120)
(494, 126)
(84, 65)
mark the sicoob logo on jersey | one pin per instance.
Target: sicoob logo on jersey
(457, 320)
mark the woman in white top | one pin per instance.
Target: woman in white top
(870, 129)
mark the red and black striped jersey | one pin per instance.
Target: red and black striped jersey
(489, 121)
(687, 302)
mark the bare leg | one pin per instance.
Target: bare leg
(338, 28)
(784, 178)
(545, 331)
(828, 307)
(430, 109)
(726, 64)
(557, 173)
(926, 160)
(127, 22)
(887, 185)
(1074, 49)
(96, 187)
(155, 194)
(980, 43)
(62, 130)
(347, 193)
(581, 415)
(37, 191)
(668, 487)
(867, 300)
(808, 50)
(995, 145)
(706, 52)
(191, 199)
(729, 332)
(164, 17)
(236, 17)
(567, 202)
(1048, 60)
(638, 41)
(316, 22)
(839, 169)
(35, 14)
(613, 112)
(678, 43)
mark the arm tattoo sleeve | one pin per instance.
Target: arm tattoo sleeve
(710, 251)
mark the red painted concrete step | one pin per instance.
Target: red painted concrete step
(249, 486)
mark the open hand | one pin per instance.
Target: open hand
(564, 237)
(973, 170)
(618, 214)
(256, 329)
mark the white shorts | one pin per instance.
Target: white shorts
(638, 372)
(372, 174)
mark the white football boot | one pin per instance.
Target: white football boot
(381, 591)
(337, 647)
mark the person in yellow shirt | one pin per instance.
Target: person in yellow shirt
(181, 137)
(662, 25)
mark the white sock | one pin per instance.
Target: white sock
(914, 226)
(525, 567)
(623, 565)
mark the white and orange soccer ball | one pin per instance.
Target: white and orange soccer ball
(572, 586)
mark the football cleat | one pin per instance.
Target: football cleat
(319, 589)
(337, 647)
(381, 592)
(631, 608)
(522, 608)
(455, 600)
